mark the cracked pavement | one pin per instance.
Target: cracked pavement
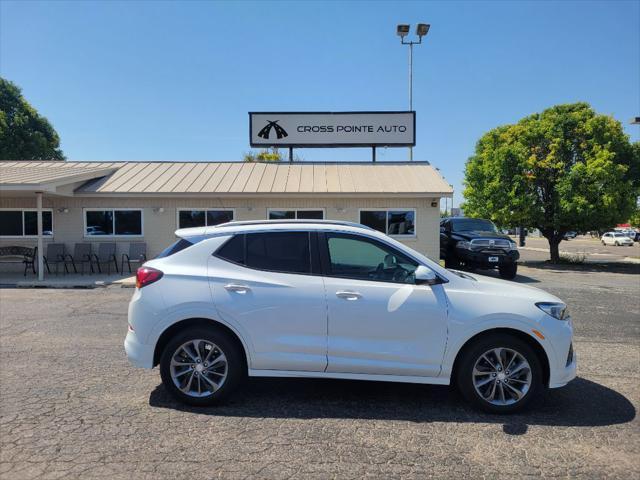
(72, 407)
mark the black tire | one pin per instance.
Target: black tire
(473, 352)
(235, 364)
(451, 262)
(508, 271)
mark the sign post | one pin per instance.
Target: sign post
(332, 130)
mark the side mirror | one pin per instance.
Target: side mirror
(425, 276)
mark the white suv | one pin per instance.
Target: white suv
(338, 300)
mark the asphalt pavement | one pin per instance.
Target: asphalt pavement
(584, 248)
(72, 407)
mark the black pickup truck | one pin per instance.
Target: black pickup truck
(476, 243)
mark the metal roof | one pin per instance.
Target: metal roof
(242, 178)
(48, 175)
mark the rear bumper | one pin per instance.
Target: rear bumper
(139, 354)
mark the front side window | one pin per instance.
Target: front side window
(286, 252)
(203, 218)
(24, 223)
(366, 259)
(113, 222)
(390, 222)
(296, 214)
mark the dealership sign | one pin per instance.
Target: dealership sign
(332, 129)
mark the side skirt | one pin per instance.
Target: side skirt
(350, 376)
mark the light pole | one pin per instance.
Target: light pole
(403, 30)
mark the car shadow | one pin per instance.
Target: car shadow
(587, 267)
(581, 403)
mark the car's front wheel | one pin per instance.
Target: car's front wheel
(500, 373)
(201, 366)
(451, 262)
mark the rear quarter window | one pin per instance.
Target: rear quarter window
(175, 248)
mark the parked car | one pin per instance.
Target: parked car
(616, 238)
(473, 243)
(95, 231)
(570, 235)
(312, 298)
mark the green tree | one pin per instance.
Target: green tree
(266, 155)
(564, 169)
(24, 134)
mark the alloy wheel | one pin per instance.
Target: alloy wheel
(502, 376)
(198, 368)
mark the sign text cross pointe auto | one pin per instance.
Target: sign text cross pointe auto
(332, 129)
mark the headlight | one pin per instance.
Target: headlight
(513, 245)
(556, 310)
(464, 244)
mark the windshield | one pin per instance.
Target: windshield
(619, 235)
(472, 224)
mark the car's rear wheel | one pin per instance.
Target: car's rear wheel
(201, 366)
(500, 373)
(508, 271)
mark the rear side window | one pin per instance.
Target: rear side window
(175, 248)
(286, 252)
(279, 252)
(233, 250)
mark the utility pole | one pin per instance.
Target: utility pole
(403, 30)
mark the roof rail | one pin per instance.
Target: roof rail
(237, 223)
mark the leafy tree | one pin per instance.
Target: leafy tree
(24, 134)
(269, 155)
(265, 155)
(564, 169)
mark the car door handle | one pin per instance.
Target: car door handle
(234, 287)
(348, 295)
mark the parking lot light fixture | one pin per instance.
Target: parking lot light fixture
(422, 29)
(403, 30)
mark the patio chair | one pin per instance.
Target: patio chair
(137, 254)
(106, 255)
(81, 255)
(55, 256)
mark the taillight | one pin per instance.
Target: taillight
(146, 276)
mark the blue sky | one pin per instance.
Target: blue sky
(174, 81)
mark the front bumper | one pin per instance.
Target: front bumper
(139, 354)
(559, 348)
(481, 258)
(562, 377)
